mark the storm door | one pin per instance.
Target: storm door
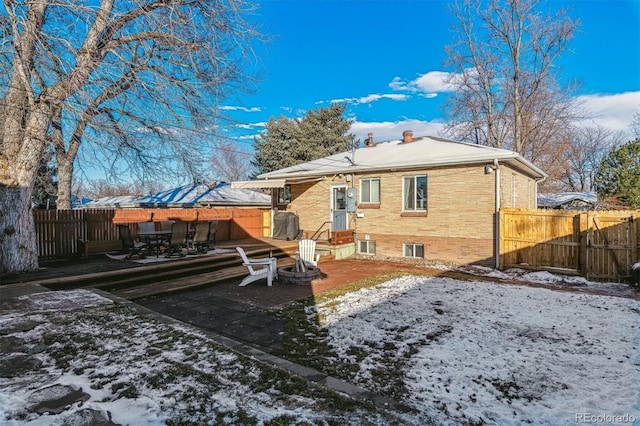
(339, 208)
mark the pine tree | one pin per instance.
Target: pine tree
(619, 174)
(287, 142)
(45, 188)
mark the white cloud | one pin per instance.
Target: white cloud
(251, 126)
(392, 130)
(431, 83)
(371, 98)
(240, 108)
(614, 111)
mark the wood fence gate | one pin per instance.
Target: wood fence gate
(599, 245)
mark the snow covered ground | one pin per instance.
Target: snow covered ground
(466, 353)
(477, 352)
(137, 371)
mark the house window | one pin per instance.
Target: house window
(284, 195)
(366, 247)
(415, 193)
(370, 190)
(413, 250)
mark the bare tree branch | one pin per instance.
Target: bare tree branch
(128, 80)
(506, 91)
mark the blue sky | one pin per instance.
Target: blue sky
(385, 59)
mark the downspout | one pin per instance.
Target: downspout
(496, 168)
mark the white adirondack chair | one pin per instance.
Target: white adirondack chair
(258, 268)
(307, 249)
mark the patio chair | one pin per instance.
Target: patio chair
(307, 249)
(144, 230)
(200, 241)
(178, 240)
(133, 248)
(146, 227)
(258, 268)
(165, 225)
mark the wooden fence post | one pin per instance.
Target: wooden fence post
(583, 224)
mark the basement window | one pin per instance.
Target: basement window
(367, 247)
(413, 250)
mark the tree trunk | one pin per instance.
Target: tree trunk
(17, 230)
(64, 158)
(65, 172)
(18, 242)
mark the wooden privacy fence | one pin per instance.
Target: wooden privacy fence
(60, 233)
(599, 245)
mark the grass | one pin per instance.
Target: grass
(128, 355)
(305, 340)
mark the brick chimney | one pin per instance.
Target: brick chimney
(369, 140)
(407, 136)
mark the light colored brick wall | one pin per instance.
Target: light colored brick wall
(311, 202)
(459, 224)
(517, 190)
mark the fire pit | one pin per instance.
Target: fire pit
(300, 273)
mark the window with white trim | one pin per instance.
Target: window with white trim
(413, 250)
(284, 195)
(414, 193)
(370, 190)
(366, 247)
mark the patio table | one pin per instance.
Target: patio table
(158, 236)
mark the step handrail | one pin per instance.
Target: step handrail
(316, 235)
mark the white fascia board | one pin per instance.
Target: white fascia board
(262, 183)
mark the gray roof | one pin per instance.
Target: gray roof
(201, 194)
(115, 202)
(225, 195)
(425, 151)
(193, 195)
(552, 200)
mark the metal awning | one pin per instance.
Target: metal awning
(272, 183)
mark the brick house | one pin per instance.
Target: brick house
(423, 197)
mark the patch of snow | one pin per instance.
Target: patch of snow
(501, 354)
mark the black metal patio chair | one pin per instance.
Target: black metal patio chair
(178, 240)
(201, 240)
(132, 247)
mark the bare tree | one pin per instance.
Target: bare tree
(229, 162)
(102, 188)
(635, 125)
(506, 92)
(582, 156)
(135, 73)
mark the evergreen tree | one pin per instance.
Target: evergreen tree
(45, 188)
(276, 146)
(619, 174)
(324, 132)
(287, 142)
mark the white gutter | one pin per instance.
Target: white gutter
(496, 167)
